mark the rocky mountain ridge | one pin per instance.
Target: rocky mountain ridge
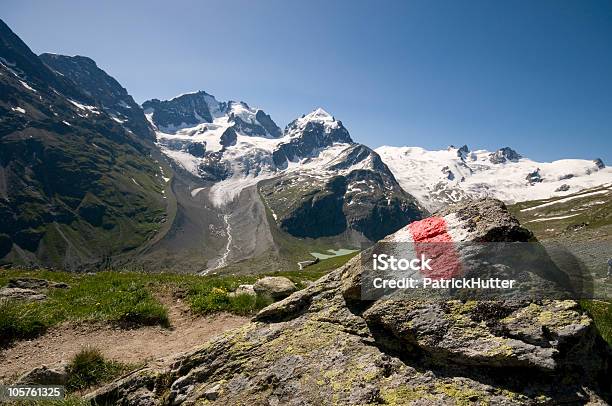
(75, 185)
(196, 179)
(437, 178)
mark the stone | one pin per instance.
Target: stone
(213, 392)
(21, 294)
(243, 290)
(276, 287)
(45, 375)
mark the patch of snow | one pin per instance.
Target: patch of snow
(18, 109)
(195, 192)
(25, 84)
(91, 109)
(552, 218)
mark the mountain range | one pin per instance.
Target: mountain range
(89, 178)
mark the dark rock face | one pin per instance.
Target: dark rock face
(107, 92)
(320, 346)
(449, 174)
(268, 124)
(318, 213)
(600, 164)
(260, 125)
(67, 169)
(463, 151)
(503, 155)
(312, 138)
(368, 199)
(185, 110)
(534, 177)
(191, 109)
(197, 149)
(229, 137)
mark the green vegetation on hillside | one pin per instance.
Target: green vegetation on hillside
(588, 212)
(601, 312)
(581, 223)
(131, 299)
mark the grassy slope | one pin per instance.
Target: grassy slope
(128, 298)
(587, 234)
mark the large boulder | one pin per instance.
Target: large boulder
(324, 345)
(275, 287)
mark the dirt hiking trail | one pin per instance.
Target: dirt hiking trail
(135, 346)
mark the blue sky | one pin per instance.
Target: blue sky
(534, 75)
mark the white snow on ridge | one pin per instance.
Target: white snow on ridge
(567, 199)
(553, 218)
(250, 158)
(438, 177)
(85, 107)
(318, 115)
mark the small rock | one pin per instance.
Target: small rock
(276, 287)
(563, 188)
(212, 393)
(45, 375)
(21, 294)
(243, 290)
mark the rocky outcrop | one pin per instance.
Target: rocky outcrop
(504, 155)
(323, 345)
(108, 93)
(21, 294)
(308, 135)
(534, 177)
(35, 283)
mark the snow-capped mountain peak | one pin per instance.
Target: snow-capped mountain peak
(316, 117)
(437, 178)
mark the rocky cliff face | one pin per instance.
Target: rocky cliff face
(308, 135)
(108, 93)
(323, 345)
(353, 190)
(75, 185)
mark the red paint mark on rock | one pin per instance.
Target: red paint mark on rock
(431, 239)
